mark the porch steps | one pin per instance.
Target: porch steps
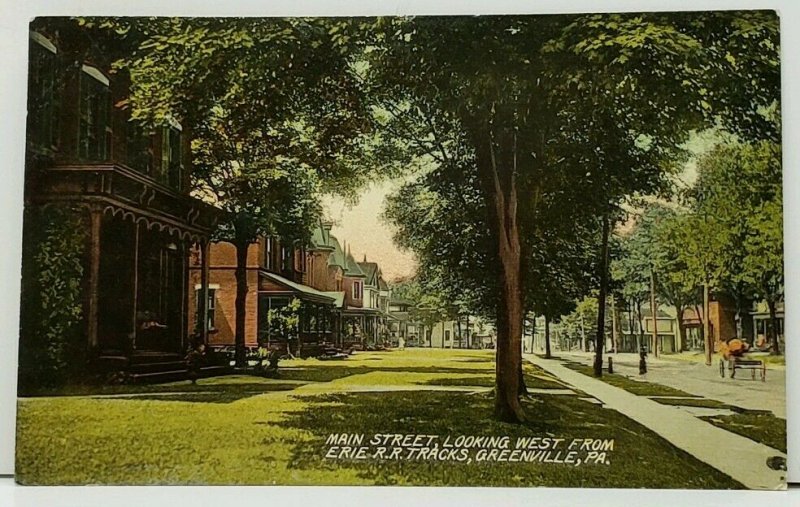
(152, 367)
(175, 375)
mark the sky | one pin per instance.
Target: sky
(360, 228)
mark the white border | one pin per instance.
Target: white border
(14, 18)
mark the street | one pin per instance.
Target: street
(702, 380)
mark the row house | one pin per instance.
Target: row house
(319, 283)
(278, 289)
(129, 185)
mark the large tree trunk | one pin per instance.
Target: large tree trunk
(772, 329)
(497, 167)
(547, 337)
(681, 328)
(640, 320)
(654, 310)
(702, 320)
(584, 340)
(240, 353)
(708, 342)
(600, 336)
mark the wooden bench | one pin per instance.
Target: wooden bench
(737, 363)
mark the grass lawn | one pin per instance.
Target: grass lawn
(763, 428)
(226, 430)
(695, 402)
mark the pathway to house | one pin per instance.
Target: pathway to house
(701, 380)
(741, 458)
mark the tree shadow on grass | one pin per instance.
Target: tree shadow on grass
(320, 373)
(641, 458)
(190, 397)
(199, 393)
(489, 380)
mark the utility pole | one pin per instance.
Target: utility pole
(614, 327)
(654, 309)
(709, 348)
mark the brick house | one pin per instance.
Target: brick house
(278, 274)
(129, 185)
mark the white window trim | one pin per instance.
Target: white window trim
(174, 124)
(43, 41)
(211, 286)
(95, 73)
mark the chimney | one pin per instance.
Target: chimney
(365, 257)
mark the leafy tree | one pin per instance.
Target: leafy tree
(611, 93)
(737, 233)
(274, 112)
(51, 349)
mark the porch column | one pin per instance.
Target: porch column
(135, 284)
(205, 263)
(95, 218)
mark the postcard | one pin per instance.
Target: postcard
(507, 250)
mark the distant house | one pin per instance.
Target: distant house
(401, 324)
(374, 304)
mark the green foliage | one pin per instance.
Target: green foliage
(284, 322)
(52, 342)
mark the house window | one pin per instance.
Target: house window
(357, 290)
(299, 257)
(269, 260)
(42, 93)
(140, 148)
(447, 335)
(171, 172)
(94, 140)
(286, 259)
(211, 311)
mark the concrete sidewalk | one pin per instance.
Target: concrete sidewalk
(702, 380)
(741, 458)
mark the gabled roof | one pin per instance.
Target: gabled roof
(352, 269)
(337, 257)
(371, 271)
(321, 238)
(382, 285)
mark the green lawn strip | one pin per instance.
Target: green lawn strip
(535, 378)
(696, 402)
(763, 428)
(227, 383)
(280, 438)
(637, 387)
